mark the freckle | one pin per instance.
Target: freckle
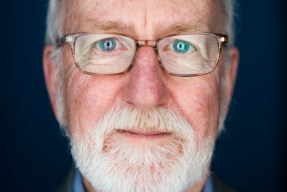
(200, 108)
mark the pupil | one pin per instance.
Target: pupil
(108, 44)
(180, 46)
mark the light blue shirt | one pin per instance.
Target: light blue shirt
(78, 183)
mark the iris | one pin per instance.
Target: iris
(107, 44)
(181, 46)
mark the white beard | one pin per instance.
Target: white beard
(113, 165)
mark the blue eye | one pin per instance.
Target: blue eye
(107, 44)
(181, 46)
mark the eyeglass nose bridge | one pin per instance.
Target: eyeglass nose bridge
(149, 43)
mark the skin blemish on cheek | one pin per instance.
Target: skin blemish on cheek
(200, 108)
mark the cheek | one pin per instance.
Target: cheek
(199, 101)
(87, 98)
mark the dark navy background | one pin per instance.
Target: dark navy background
(249, 154)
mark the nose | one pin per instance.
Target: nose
(146, 88)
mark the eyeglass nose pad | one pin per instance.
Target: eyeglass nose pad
(155, 48)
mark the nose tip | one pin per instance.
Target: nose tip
(146, 87)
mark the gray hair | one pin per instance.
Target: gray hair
(56, 12)
(228, 15)
(54, 22)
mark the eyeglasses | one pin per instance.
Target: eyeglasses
(180, 55)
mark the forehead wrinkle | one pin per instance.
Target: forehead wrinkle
(181, 27)
(95, 25)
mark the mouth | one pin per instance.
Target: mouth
(139, 135)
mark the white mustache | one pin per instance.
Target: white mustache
(157, 119)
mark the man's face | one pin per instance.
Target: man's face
(87, 97)
(144, 120)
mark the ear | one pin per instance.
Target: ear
(50, 73)
(230, 76)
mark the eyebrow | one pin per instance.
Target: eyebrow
(176, 28)
(186, 27)
(107, 25)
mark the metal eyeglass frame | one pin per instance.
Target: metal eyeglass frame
(71, 40)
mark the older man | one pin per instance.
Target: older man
(141, 88)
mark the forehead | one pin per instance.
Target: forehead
(150, 18)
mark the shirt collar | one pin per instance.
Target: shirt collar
(77, 182)
(208, 185)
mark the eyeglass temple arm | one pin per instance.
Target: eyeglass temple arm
(223, 39)
(70, 39)
(60, 42)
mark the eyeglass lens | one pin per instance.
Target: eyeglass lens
(181, 54)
